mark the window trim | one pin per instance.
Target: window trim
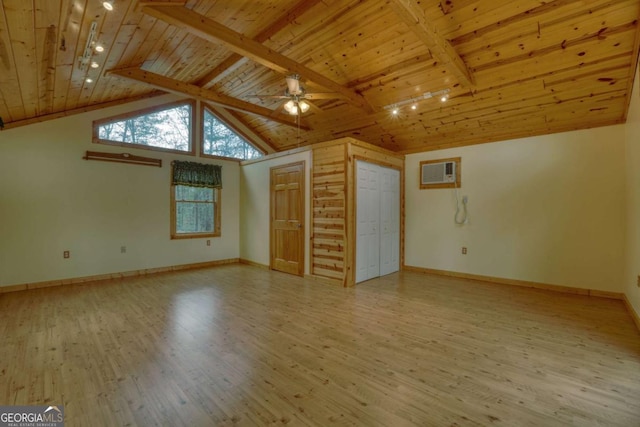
(149, 110)
(204, 107)
(217, 226)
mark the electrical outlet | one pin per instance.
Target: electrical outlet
(123, 249)
(66, 254)
(464, 250)
(208, 242)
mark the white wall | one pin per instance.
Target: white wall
(632, 270)
(547, 209)
(254, 207)
(51, 200)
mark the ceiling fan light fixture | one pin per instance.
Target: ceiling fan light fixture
(108, 4)
(292, 107)
(304, 106)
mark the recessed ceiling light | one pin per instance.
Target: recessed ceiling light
(108, 4)
(89, 80)
(99, 48)
(395, 111)
(414, 107)
(94, 64)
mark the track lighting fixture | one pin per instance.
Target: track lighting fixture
(395, 108)
(85, 59)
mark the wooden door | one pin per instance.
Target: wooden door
(287, 218)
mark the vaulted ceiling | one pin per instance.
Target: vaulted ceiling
(511, 68)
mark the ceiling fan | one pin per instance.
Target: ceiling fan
(297, 97)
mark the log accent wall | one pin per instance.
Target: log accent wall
(328, 237)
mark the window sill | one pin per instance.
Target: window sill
(194, 235)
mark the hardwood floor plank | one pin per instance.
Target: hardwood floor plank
(240, 345)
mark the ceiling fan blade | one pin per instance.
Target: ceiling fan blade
(270, 96)
(323, 95)
(280, 108)
(315, 108)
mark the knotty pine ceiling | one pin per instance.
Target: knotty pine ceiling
(514, 68)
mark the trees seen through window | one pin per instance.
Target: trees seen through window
(219, 140)
(167, 127)
(170, 127)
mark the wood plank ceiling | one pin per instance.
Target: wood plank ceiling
(512, 69)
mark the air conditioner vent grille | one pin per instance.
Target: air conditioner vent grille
(438, 173)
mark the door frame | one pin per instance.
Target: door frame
(302, 209)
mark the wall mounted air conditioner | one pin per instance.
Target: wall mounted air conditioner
(438, 173)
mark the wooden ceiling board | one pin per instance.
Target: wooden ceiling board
(11, 105)
(539, 66)
(556, 38)
(308, 27)
(552, 60)
(71, 14)
(20, 26)
(480, 14)
(528, 25)
(47, 17)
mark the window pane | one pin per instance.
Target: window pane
(205, 217)
(195, 209)
(185, 218)
(219, 140)
(194, 217)
(185, 192)
(169, 128)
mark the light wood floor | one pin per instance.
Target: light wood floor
(240, 345)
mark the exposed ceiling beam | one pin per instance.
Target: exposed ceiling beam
(214, 32)
(286, 19)
(413, 15)
(175, 86)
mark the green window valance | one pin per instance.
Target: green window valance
(196, 174)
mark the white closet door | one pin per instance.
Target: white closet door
(367, 222)
(377, 221)
(389, 221)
